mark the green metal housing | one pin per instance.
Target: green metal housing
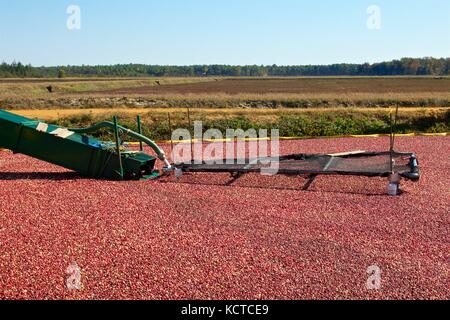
(78, 152)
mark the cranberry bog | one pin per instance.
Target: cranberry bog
(307, 85)
(199, 238)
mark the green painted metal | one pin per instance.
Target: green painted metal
(77, 151)
(139, 125)
(130, 133)
(119, 155)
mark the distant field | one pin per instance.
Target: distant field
(37, 88)
(225, 92)
(296, 86)
(297, 106)
(228, 86)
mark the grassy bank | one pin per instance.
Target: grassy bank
(291, 124)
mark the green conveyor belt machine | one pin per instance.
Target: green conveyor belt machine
(74, 149)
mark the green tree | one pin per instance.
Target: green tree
(61, 73)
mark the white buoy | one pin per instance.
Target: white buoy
(394, 184)
(392, 189)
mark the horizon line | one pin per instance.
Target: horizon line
(222, 64)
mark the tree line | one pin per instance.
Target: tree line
(405, 66)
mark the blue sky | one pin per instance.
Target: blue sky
(185, 32)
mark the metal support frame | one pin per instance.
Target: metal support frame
(170, 132)
(311, 178)
(393, 124)
(234, 177)
(139, 126)
(116, 136)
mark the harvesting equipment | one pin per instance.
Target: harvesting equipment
(75, 150)
(391, 164)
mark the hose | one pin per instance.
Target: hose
(139, 137)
